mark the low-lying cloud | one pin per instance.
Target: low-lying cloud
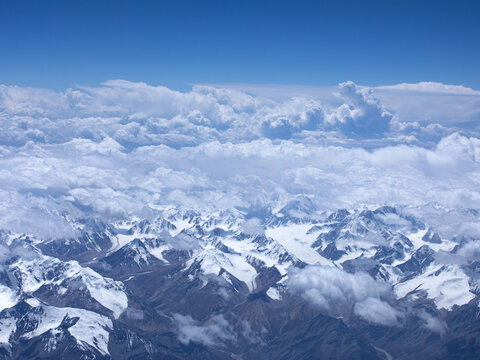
(340, 293)
(214, 333)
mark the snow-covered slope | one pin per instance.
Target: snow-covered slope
(185, 261)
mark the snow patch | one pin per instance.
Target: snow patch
(212, 261)
(273, 293)
(91, 329)
(446, 285)
(295, 240)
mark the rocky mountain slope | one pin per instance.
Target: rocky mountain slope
(293, 283)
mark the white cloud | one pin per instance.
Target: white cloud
(361, 115)
(427, 103)
(253, 226)
(376, 311)
(112, 150)
(432, 323)
(432, 87)
(338, 292)
(215, 332)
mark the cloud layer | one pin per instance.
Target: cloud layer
(127, 147)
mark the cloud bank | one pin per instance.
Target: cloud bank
(126, 148)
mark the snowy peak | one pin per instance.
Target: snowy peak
(132, 278)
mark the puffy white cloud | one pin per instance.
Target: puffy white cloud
(340, 293)
(294, 116)
(422, 105)
(361, 115)
(137, 114)
(376, 311)
(114, 149)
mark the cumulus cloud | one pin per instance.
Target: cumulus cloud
(296, 115)
(427, 109)
(432, 87)
(116, 149)
(136, 114)
(340, 293)
(466, 252)
(470, 250)
(361, 115)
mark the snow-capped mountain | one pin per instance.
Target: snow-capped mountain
(220, 285)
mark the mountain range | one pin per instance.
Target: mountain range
(290, 283)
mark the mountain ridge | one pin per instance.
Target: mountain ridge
(192, 284)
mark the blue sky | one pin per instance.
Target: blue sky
(59, 44)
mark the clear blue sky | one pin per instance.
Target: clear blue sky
(58, 44)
